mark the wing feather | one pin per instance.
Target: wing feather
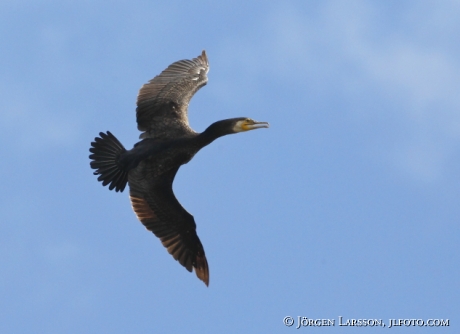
(157, 208)
(162, 102)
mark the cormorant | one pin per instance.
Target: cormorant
(167, 143)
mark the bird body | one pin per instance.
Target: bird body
(167, 143)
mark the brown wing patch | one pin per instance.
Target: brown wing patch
(172, 240)
(142, 210)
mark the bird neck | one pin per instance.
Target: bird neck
(214, 131)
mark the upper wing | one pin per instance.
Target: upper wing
(157, 208)
(162, 102)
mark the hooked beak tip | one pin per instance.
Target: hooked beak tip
(259, 125)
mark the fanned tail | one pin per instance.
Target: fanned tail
(106, 150)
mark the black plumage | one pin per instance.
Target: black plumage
(167, 143)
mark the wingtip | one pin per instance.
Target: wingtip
(204, 57)
(202, 269)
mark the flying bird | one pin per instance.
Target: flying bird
(167, 142)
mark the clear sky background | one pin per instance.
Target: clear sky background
(347, 206)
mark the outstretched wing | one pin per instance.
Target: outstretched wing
(157, 208)
(162, 102)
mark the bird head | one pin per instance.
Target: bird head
(246, 124)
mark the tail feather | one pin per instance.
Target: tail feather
(106, 150)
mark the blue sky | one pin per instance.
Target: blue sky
(347, 206)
